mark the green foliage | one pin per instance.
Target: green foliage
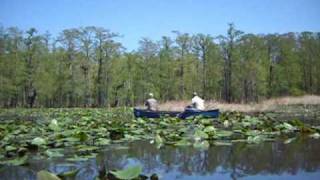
(86, 131)
(45, 175)
(17, 161)
(128, 173)
(201, 145)
(38, 141)
(88, 67)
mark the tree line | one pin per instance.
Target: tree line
(89, 67)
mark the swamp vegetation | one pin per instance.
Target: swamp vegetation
(103, 138)
(89, 67)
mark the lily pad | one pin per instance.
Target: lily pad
(158, 139)
(86, 148)
(82, 136)
(209, 129)
(38, 141)
(288, 141)
(201, 145)
(315, 135)
(129, 173)
(69, 174)
(77, 158)
(54, 125)
(221, 143)
(255, 139)
(200, 135)
(182, 142)
(53, 153)
(103, 141)
(17, 161)
(45, 175)
(10, 148)
(223, 133)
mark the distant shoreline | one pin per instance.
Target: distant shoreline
(263, 106)
(270, 105)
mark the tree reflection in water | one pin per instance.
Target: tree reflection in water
(238, 160)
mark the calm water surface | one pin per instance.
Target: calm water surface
(270, 160)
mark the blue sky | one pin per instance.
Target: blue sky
(135, 19)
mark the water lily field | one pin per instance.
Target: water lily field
(86, 143)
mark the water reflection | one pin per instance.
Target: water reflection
(262, 161)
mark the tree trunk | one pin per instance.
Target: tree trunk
(100, 85)
(204, 78)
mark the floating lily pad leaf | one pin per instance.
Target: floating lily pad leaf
(67, 133)
(182, 142)
(53, 153)
(255, 139)
(206, 121)
(130, 138)
(90, 156)
(121, 147)
(54, 125)
(288, 141)
(10, 148)
(17, 161)
(77, 158)
(273, 133)
(238, 140)
(226, 123)
(138, 131)
(183, 130)
(248, 121)
(201, 145)
(200, 135)
(221, 143)
(237, 131)
(103, 141)
(129, 173)
(222, 133)
(315, 135)
(82, 136)
(158, 139)
(69, 174)
(141, 121)
(38, 141)
(71, 139)
(286, 127)
(86, 148)
(209, 129)
(252, 133)
(45, 175)
(164, 123)
(297, 123)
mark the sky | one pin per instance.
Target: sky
(135, 19)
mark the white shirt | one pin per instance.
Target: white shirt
(198, 102)
(152, 104)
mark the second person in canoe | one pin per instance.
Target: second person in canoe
(151, 103)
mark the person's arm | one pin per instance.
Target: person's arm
(194, 104)
(147, 104)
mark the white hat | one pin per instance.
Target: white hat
(151, 94)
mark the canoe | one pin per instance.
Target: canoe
(154, 114)
(214, 113)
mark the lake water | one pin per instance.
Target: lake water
(299, 159)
